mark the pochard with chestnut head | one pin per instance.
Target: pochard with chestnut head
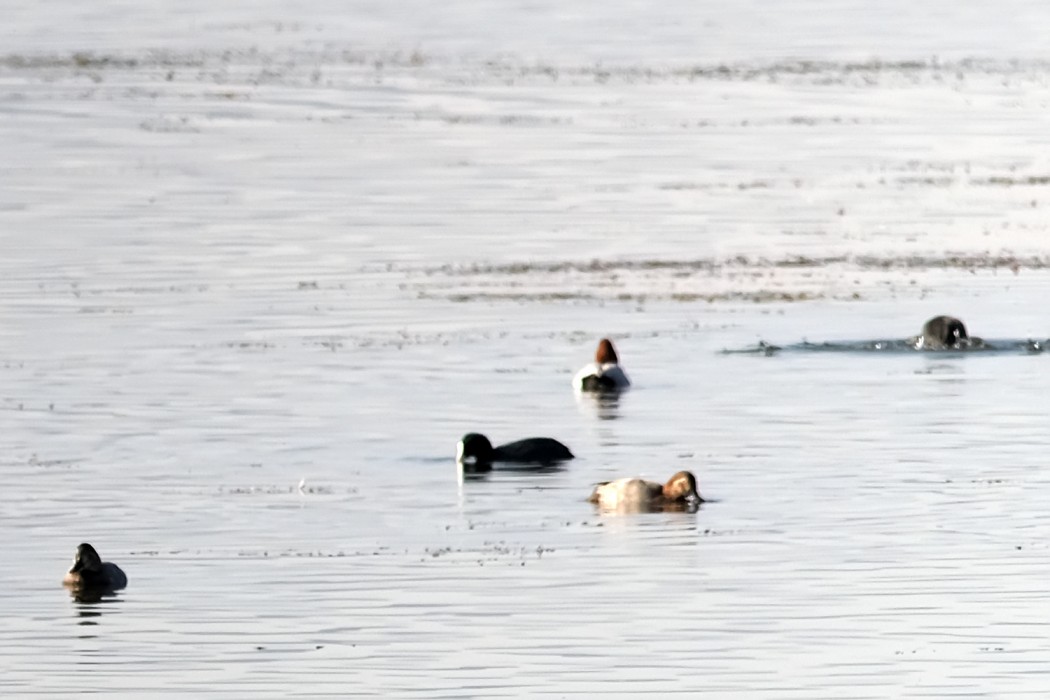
(634, 494)
(604, 374)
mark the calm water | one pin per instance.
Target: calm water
(246, 246)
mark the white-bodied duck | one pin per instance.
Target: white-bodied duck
(604, 374)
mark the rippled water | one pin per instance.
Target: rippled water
(261, 269)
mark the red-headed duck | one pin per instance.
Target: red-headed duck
(639, 494)
(476, 450)
(604, 374)
(91, 573)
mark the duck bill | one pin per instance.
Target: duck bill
(459, 454)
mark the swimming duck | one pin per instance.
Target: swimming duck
(475, 449)
(639, 494)
(604, 374)
(942, 332)
(89, 571)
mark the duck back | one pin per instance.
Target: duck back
(540, 450)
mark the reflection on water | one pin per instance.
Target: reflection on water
(90, 605)
(633, 508)
(92, 596)
(605, 405)
(476, 472)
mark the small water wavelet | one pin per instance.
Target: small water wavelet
(981, 346)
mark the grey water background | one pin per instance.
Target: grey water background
(246, 245)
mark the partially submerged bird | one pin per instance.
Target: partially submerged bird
(90, 572)
(641, 495)
(942, 333)
(475, 450)
(604, 374)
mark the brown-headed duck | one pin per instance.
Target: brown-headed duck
(639, 494)
(604, 374)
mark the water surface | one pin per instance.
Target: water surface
(262, 269)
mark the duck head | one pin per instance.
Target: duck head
(682, 487)
(947, 330)
(474, 448)
(86, 559)
(606, 354)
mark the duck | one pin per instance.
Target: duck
(633, 493)
(604, 374)
(475, 450)
(90, 572)
(941, 333)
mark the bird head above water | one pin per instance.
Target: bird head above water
(606, 353)
(474, 448)
(682, 487)
(86, 559)
(944, 332)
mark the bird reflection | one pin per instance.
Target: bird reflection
(90, 604)
(669, 507)
(604, 404)
(92, 596)
(481, 472)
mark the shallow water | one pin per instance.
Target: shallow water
(261, 271)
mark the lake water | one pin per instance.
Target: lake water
(246, 245)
